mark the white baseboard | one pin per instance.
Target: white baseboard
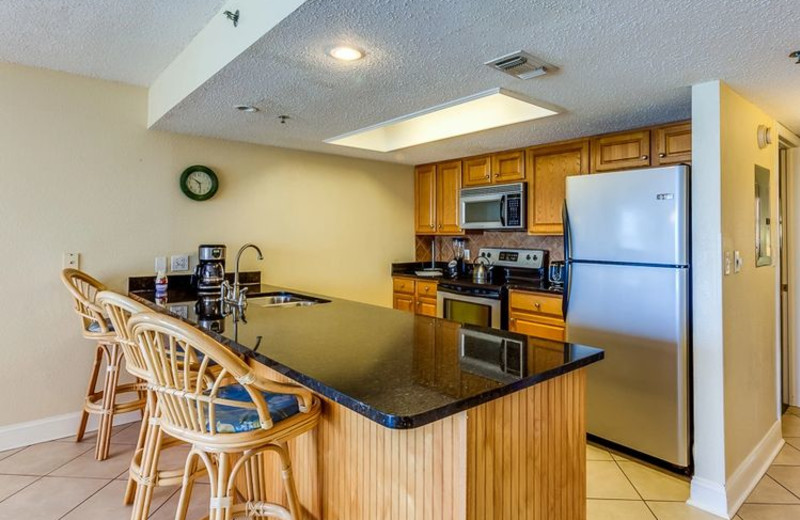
(746, 477)
(52, 428)
(725, 501)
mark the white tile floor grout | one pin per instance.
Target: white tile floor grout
(64, 482)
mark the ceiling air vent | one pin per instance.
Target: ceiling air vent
(521, 65)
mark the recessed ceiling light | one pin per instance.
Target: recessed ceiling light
(246, 108)
(490, 109)
(345, 53)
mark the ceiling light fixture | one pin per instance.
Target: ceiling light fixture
(344, 53)
(246, 108)
(491, 109)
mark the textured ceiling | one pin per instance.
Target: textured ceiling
(130, 41)
(622, 64)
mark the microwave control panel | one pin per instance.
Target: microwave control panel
(514, 211)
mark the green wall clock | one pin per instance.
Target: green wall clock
(199, 182)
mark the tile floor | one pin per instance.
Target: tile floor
(621, 489)
(61, 480)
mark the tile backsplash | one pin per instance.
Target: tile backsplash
(475, 241)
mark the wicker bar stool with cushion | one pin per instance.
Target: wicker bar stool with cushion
(95, 326)
(231, 425)
(144, 474)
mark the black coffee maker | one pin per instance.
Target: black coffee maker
(210, 272)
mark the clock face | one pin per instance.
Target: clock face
(199, 183)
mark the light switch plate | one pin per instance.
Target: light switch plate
(179, 263)
(728, 262)
(161, 263)
(737, 261)
(72, 260)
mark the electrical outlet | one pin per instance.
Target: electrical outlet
(179, 263)
(737, 261)
(72, 260)
(728, 262)
(161, 263)
(466, 255)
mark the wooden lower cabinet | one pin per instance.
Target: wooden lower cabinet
(412, 295)
(536, 314)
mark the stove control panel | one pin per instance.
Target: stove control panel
(526, 258)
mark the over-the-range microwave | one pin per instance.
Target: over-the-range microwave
(493, 207)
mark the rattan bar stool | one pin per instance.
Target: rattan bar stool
(231, 425)
(144, 475)
(94, 326)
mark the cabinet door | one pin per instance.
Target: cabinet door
(426, 307)
(448, 190)
(548, 169)
(673, 144)
(508, 166)
(404, 302)
(478, 171)
(425, 199)
(621, 151)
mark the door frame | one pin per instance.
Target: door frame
(787, 139)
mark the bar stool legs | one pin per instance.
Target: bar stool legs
(223, 469)
(104, 402)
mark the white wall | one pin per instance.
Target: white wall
(80, 172)
(737, 424)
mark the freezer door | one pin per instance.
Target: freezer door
(639, 216)
(638, 396)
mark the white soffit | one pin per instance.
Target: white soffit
(490, 109)
(218, 44)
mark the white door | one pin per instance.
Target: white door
(638, 395)
(638, 216)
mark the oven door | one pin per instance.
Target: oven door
(465, 308)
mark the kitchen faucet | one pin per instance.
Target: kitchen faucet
(236, 295)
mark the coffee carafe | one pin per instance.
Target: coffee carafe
(210, 272)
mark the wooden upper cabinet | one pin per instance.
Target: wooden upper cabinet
(548, 169)
(508, 166)
(448, 191)
(672, 144)
(425, 199)
(621, 151)
(478, 171)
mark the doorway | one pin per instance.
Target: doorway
(788, 268)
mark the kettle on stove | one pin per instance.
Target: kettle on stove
(481, 270)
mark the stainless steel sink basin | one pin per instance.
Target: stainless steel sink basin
(284, 299)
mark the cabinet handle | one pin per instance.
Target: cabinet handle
(537, 305)
(496, 175)
(440, 226)
(662, 155)
(513, 320)
(432, 226)
(487, 176)
(644, 157)
(427, 289)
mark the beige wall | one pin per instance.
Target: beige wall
(80, 172)
(749, 296)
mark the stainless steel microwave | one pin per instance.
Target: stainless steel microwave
(493, 207)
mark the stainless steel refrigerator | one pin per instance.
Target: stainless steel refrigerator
(626, 240)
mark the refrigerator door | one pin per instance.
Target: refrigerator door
(638, 216)
(638, 395)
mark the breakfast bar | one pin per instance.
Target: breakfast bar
(423, 418)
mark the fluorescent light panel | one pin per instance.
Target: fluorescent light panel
(490, 109)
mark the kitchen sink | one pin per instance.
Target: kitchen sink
(284, 299)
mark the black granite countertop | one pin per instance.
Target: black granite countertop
(398, 369)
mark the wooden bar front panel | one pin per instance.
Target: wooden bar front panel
(518, 457)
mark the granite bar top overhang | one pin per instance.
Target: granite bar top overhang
(395, 368)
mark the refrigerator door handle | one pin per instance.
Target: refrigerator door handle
(567, 260)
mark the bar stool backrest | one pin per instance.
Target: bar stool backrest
(119, 310)
(84, 290)
(187, 391)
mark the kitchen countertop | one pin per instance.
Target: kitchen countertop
(395, 368)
